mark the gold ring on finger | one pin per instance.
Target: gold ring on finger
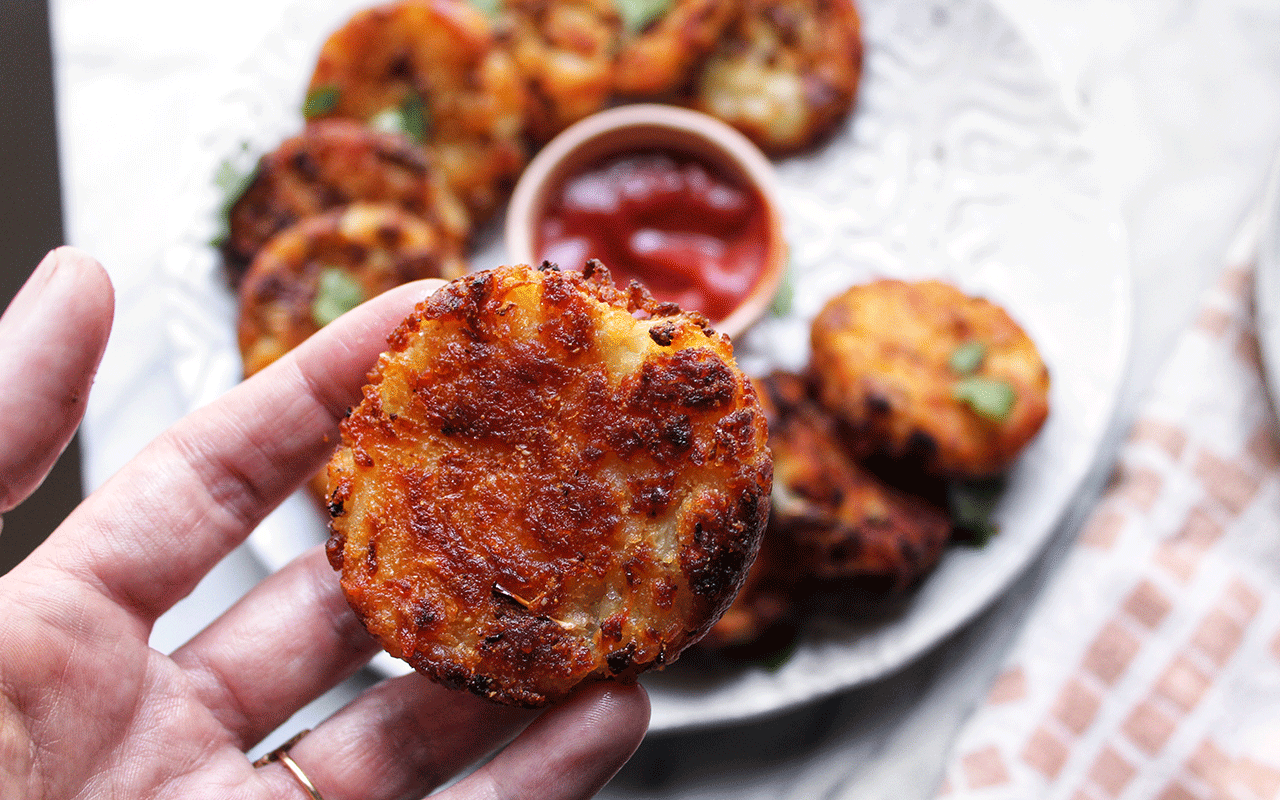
(281, 754)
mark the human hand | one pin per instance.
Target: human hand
(88, 709)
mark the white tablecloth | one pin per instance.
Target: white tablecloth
(1182, 101)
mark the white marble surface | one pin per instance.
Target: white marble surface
(1181, 99)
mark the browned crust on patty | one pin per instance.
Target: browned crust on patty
(565, 52)
(378, 246)
(765, 615)
(549, 481)
(443, 54)
(784, 72)
(331, 163)
(839, 523)
(662, 57)
(881, 357)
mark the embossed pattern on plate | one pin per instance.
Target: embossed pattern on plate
(961, 162)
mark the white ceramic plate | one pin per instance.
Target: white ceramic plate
(960, 162)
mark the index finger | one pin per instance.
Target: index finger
(51, 339)
(148, 535)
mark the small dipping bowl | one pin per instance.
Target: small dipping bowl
(645, 128)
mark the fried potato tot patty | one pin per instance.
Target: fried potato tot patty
(785, 73)
(438, 67)
(661, 57)
(921, 370)
(565, 51)
(332, 163)
(313, 271)
(549, 481)
(764, 617)
(837, 521)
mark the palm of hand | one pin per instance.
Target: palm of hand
(86, 689)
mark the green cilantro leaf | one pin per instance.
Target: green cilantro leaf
(411, 119)
(320, 101)
(783, 300)
(966, 358)
(416, 118)
(336, 293)
(973, 504)
(778, 659)
(987, 397)
(489, 8)
(231, 178)
(637, 14)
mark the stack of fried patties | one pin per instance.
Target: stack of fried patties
(916, 400)
(421, 114)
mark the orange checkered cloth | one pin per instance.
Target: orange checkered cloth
(1150, 666)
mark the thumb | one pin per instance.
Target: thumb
(51, 339)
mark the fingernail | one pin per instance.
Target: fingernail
(43, 273)
(61, 264)
(24, 301)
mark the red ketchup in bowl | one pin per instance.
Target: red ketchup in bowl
(686, 231)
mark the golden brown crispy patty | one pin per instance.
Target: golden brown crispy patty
(764, 617)
(565, 51)
(311, 272)
(785, 72)
(333, 163)
(549, 481)
(660, 55)
(437, 67)
(837, 521)
(835, 530)
(920, 370)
